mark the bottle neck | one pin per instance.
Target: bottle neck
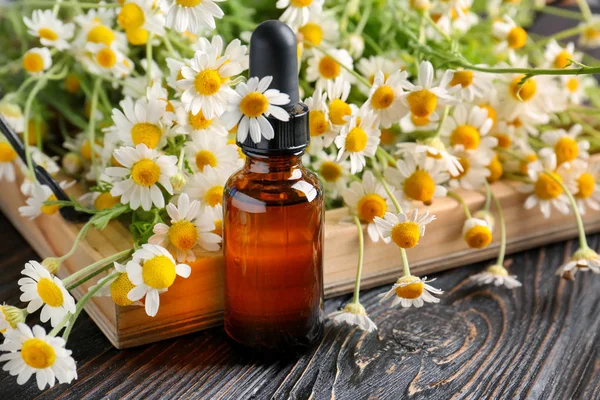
(263, 164)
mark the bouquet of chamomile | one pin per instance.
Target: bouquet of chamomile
(140, 102)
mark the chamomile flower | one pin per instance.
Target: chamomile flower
(153, 271)
(191, 15)
(235, 51)
(416, 181)
(584, 259)
(410, 123)
(423, 100)
(136, 15)
(436, 151)
(565, 145)
(368, 200)
(11, 317)
(358, 139)
(214, 152)
(51, 30)
(469, 127)
(319, 124)
(46, 162)
(477, 233)
(37, 60)
(385, 97)
(43, 290)
(324, 68)
(581, 179)
(140, 122)
(369, 67)
(208, 186)
(511, 36)
(99, 200)
(333, 174)
(7, 157)
(142, 170)
(298, 12)
(496, 275)
(559, 57)
(103, 59)
(545, 189)
(197, 124)
(354, 314)
(474, 170)
(322, 29)
(251, 106)
(411, 291)
(117, 287)
(590, 37)
(189, 228)
(339, 109)
(13, 115)
(35, 204)
(32, 352)
(573, 87)
(205, 83)
(472, 85)
(403, 229)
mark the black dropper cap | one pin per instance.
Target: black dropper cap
(273, 52)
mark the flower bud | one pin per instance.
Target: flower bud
(355, 308)
(356, 45)
(13, 315)
(178, 181)
(420, 5)
(52, 264)
(352, 7)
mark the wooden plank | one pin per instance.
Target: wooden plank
(197, 302)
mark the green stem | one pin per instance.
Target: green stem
(73, 277)
(364, 18)
(561, 12)
(170, 47)
(488, 197)
(441, 125)
(566, 33)
(80, 236)
(90, 276)
(502, 251)
(28, 105)
(149, 60)
(386, 187)
(585, 10)
(462, 202)
(361, 249)
(405, 265)
(60, 325)
(580, 228)
(92, 126)
(531, 71)
(56, 7)
(81, 303)
(358, 76)
(373, 43)
(587, 128)
(436, 27)
(386, 156)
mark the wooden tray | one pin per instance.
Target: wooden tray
(197, 302)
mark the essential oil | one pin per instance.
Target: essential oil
(273, 220)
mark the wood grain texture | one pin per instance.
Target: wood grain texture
(537, 342)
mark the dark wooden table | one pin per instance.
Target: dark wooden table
(537, 342)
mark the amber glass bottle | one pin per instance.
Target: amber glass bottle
(273, 219)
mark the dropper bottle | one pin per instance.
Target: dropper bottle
(273, 219)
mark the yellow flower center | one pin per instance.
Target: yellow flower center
(420, 186)
(357, 140)
(50, 209)
(370, 206)
(517, 37)
(586, 185)
(412, 289)
(214, 196)
(208, 82)
(145, 172)
(492, 114)
(101, 34)
(418, 121)
(478, 237)
(388, 137)
(312, 33)
(301, 3)
(146, 133)
(137, 36)
(422, 103)
(524, 166)
(462, 78)
(7, 153)
(204, 158)
(199, 121)
(330, 171)
(498, 270)
(466, 165)
(465, 135)
(572, 85)
(159, 272)
(254, 104)
(383, 97)
(188, 3)
(338, 110)
(504, 140)
(591, 33)
(183, 235)
(33, 63)
(218, 227)
(38, 354)
(106, 201)
(86, 150)
(49, 292)
(119, 289)
(496, 170)
(329, 68)
(546, 187)
(72, 83)
(106, 58)
(406, 234)
(317, 122)
(562, 59)
(566, 149)
(523, 92)
(48, 34)
(131, 16)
